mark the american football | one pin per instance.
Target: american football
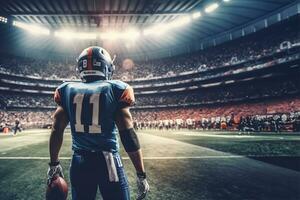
(150, 99)
(57, 190)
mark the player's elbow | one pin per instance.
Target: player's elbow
(60, 121)
(130, 140)
(56, 131)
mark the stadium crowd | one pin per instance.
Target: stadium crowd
(251, 47)
(26, 101)
(27, 119)
(237, 92)
(234, 112)
(262, 116)
(225, 94)
(248, 48)
(240, 116)
(257, 123)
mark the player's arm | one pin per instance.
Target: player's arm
(60, 122)
(131, 144)
(56, 138)
(130, 139)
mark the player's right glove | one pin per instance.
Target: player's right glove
(142, 185)
(54, 170)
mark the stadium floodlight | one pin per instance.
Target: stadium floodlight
(180, 21)
(68, 35)
(3, 19)
(156, 30)
(130, 34)
(162, 28)
(211, 7)
(196, 15)
(34, 29)
(111, 35)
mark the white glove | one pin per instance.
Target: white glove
(54, 170)
(142, 185)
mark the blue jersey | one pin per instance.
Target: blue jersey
(91, 109)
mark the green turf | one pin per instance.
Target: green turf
(260, 144)
(224, 178)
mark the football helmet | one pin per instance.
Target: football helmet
(95, 62)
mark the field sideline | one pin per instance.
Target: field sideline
(180, 165)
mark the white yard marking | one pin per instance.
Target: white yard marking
(25, 138)
(148, 158)
(223, 135)
(124, 158)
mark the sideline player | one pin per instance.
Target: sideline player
(17, 127)
(94, 107)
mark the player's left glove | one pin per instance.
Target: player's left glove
(54, 170)
(143, 186)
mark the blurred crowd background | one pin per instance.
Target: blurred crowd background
(266, 104)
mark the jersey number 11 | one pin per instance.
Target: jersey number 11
(94, 100)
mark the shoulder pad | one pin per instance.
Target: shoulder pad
(119, 84)
(63, 85)
(57, 93)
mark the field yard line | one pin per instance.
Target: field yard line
(125, 158)
(146, 158)
(26, 138)
(242, 136)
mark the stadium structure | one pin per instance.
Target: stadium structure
(202, 68)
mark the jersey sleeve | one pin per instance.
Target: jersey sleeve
(127, 98)
(59, 94)
(123, 93)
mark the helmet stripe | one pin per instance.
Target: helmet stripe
(89, 58)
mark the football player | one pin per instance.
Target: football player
(97, 109)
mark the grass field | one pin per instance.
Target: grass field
(180, 165)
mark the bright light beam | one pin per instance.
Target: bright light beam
(68, 35)
(162, 28)
(211, 7)
(180, 22)
(196, 15)
(156, 30)
(37, 30)
(130, 34)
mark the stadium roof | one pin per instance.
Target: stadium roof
(103, 15)
(140, 13)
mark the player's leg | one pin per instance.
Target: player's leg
(82, 176)
(115, 185)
